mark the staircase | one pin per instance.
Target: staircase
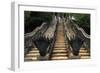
(59, 51)
(32, 55)
(84, 54)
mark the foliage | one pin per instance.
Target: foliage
(34, 19)
(83, 20)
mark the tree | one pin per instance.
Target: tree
(34, 19)
(83, 20)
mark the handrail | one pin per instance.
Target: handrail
(50, 48)
(29, 38)
(66, 40)
(52, 44)
(87, 37)
(30, 34)
(82, 30)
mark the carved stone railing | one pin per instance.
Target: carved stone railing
(52, 44)
(53, 36)
(29, 37)
(67, 39)
(86, 43)
(79, 31)
(82, 33)
(31, 34)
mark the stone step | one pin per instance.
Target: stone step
(61, 54)
(85, 57)
(32, 54)
(58, 48)
(59, 39)
(34, 51)
(57, 51)
(60, 34)
(60, 29)
(59, 58)
(84, 54)
(30, 58)
(60, 43)
(83, 51)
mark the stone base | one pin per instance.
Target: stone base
(42, 58)
(74, 57)
(71, 56)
